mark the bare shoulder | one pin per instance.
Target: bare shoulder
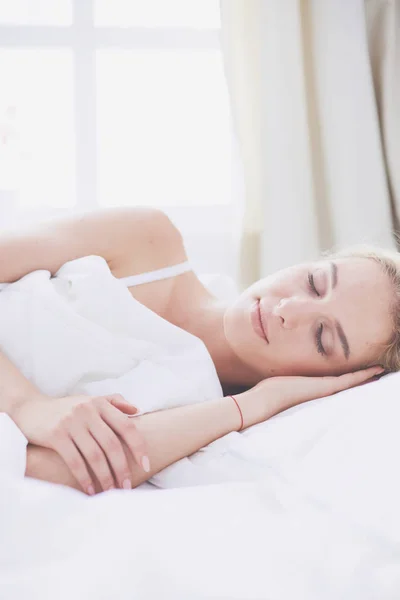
(153, 242)
(160, 245)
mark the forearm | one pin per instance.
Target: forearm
(15, 388)
(173, 434)
(170, 435)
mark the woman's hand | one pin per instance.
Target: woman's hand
(82, 430)
(276, 394)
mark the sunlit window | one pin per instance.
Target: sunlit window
(118, 102)
(37, 129)
(108, 103)
(164, 131)
(36, 12)
(199, 14)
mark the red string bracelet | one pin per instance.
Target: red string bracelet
(240, 411)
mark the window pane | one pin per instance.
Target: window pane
(157, 13)
(164, 128)
(35, 12)
(36, 129)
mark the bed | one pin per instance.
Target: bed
(304, 506)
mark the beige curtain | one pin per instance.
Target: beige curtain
(314, 88)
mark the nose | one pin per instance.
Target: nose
(297, 311)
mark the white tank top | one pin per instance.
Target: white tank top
(157, 275)
(149, 277)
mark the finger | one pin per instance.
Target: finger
(119, 402)
(66, 448)
(349, 380)
(114, 452)
(94, 456)
(129, 433)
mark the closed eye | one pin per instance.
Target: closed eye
(311, 284)
(320, 347)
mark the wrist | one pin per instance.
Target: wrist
(243, 410)
(252, 406)
(239, 412)
(23, 406)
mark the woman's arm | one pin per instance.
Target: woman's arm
(170, 435)
(62, 423)
(175, 433)
(130, 240)
(15, 389)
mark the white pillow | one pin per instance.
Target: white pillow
(343, 451)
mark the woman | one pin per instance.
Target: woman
(308, 331)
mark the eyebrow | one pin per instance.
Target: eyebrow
(339, 328)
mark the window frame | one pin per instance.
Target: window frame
(83, 38)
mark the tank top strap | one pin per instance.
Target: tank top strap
(157, 275)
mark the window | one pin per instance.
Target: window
(37, 144)
(117, 102)
(163, 127)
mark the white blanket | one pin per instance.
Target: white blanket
(319, 520)
(276, 539)
(83, 332)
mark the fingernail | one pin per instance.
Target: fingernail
(146, 464)
(126, 484)
(90, 490)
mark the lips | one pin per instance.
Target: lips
(258, 321)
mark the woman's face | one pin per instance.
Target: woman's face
(326, 317)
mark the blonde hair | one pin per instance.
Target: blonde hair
(389, 261)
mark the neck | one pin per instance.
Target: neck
(206, 321)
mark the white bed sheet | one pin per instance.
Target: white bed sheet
(233, 541)
(319, 520)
